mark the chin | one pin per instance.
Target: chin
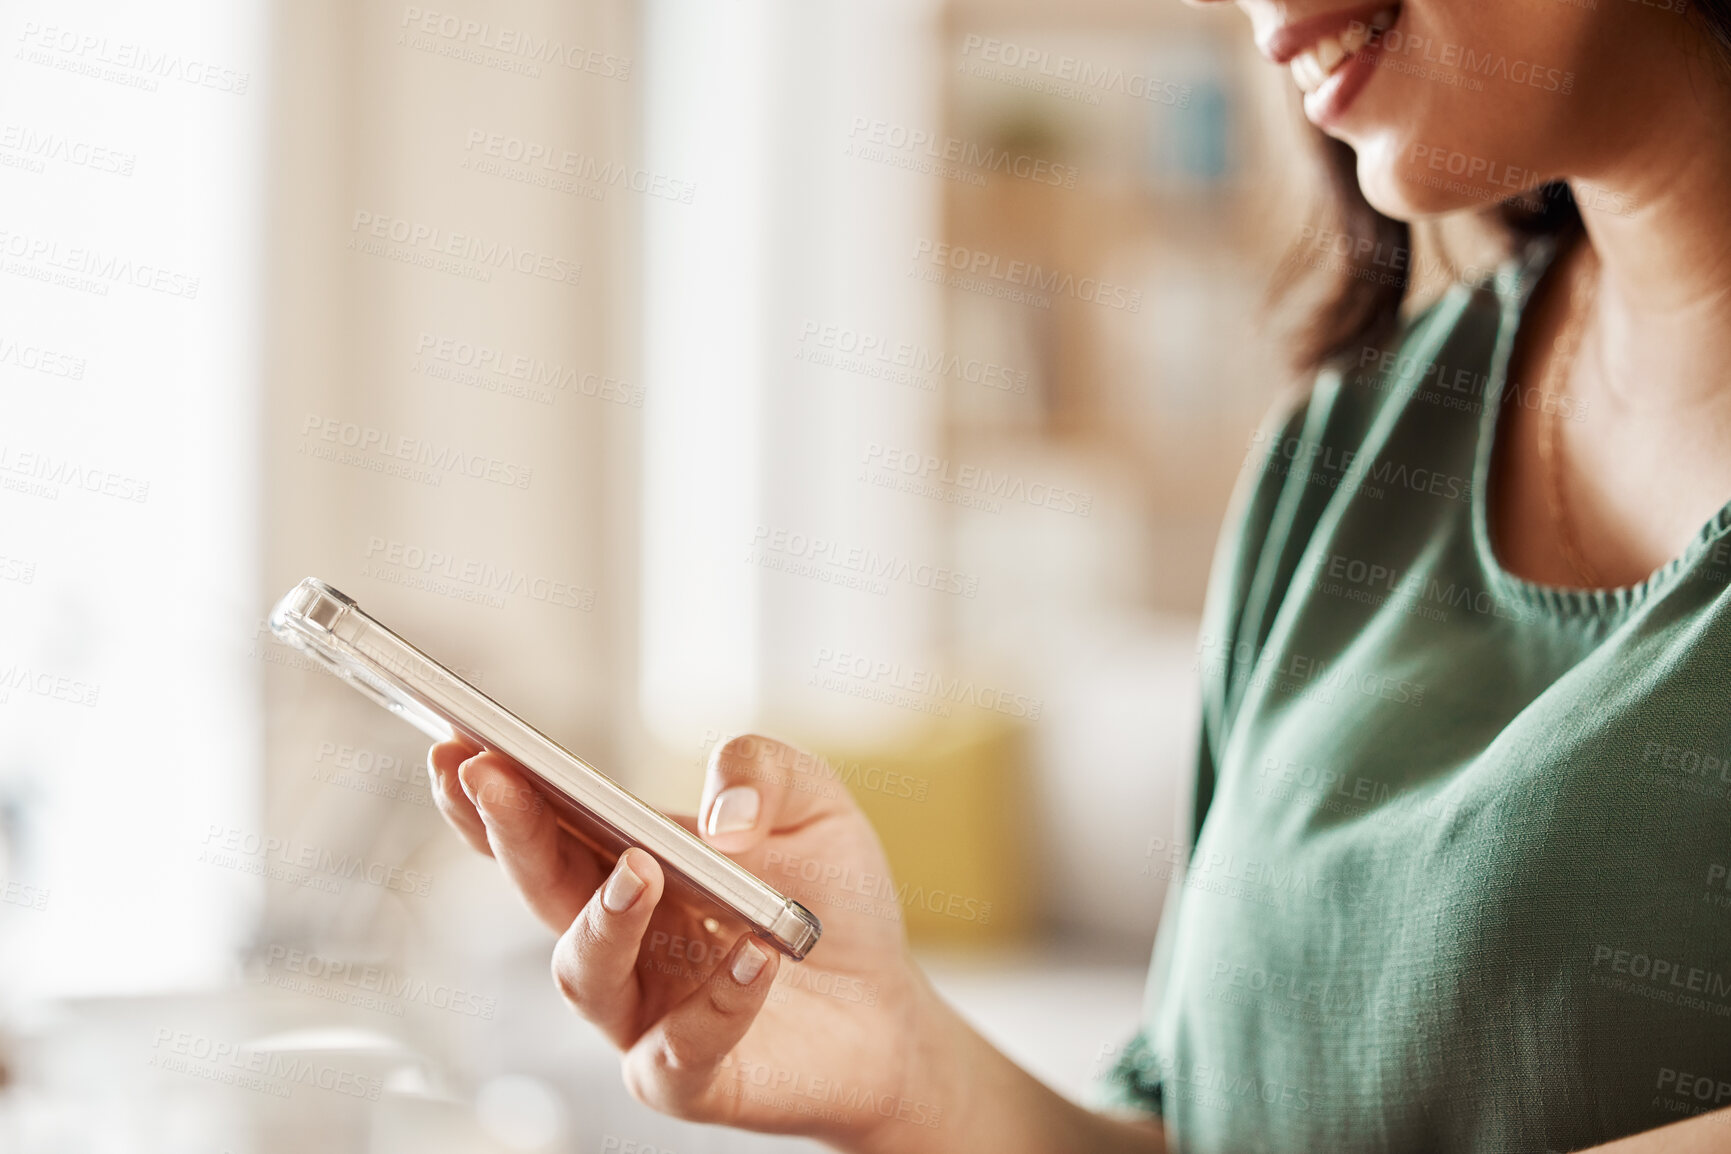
(1409, 191)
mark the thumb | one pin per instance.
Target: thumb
(757, 786)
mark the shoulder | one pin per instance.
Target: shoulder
(1306, 445)
(1306, 455)
(1453, 338)
(1430, 377)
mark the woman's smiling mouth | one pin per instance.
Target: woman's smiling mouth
(1312, 67)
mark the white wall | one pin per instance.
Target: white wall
(743, 438)
(130, 168)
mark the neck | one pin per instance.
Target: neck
(1658, 220)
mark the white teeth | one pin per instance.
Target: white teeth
(1307, 67)
(1322, 59)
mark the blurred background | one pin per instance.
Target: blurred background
(874, 375)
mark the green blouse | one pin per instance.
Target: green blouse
(1461, 865)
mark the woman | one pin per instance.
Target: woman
(1462, 821)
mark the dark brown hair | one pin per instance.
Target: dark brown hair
(1362, 304)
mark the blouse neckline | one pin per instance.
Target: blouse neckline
(1514, 282)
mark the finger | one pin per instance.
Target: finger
(442, 762)
(595, 960)
(554, 874)
(672, 1067)
(757, 785)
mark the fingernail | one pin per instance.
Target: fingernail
(621, 889)
(748, 964)
(734, 810)
(464, 782)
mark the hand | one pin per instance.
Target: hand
(725, 1031)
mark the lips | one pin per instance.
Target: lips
(1328, 51)
(1281, 42)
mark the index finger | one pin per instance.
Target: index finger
(553, 871)
(442, 762)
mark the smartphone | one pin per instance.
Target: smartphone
(331, 629)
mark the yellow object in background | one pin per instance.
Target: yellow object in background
(953, 810)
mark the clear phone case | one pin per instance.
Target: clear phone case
(328, 626)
